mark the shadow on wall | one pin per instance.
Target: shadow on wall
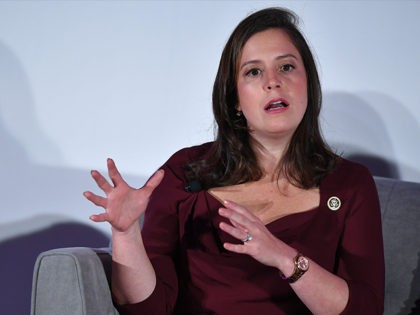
(19, 255)
(17, 113)
(377, 165)
(355, 129)
(30, 192)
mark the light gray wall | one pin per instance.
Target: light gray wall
(81, 81)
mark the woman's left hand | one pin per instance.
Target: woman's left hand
(263, 246)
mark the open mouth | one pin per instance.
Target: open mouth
(276, 105)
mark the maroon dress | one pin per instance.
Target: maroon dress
(196, 275)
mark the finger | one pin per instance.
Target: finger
(240, 249)
(237, 225)
(101, 182)
(240, 234)
(239, 209)
(113, 173)
(237, 219)
(154, 181)
(95, 199)
(156, 178)
(227, 213)
(101, 217)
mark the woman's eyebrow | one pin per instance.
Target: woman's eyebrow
(256, 61)
(286, 56)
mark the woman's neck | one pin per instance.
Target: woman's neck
(269, 154)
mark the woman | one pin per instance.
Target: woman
(265, 218)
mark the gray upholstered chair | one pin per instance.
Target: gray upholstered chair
(74, 280)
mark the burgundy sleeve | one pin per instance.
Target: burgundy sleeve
(161, 238)
(361, 256)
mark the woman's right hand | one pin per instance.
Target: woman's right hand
(123, 204)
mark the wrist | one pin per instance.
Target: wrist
(286, 265)
(300, 267)
(132, 231)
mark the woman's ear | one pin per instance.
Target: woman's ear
(238, 110)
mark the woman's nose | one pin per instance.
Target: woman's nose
(273, 82)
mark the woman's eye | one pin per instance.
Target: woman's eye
(253, 72)
(287, 67)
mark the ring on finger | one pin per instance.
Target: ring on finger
(247, 238)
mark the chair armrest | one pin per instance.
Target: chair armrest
(72, 281)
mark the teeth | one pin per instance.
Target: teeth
(275, 105)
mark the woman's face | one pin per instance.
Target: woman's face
(271, 85)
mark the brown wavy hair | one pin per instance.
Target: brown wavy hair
(231, 159)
